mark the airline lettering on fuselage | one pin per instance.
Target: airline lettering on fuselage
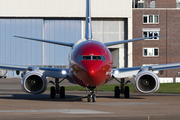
(108, 73)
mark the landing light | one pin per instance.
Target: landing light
(63, 72)
(116, 72)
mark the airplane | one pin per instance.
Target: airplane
(90, 66)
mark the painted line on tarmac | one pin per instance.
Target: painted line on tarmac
(126, 103)
(67, 111)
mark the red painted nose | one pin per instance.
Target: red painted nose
(95, 76)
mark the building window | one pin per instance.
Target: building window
(151, 19)
(151, 33)
(150, 52)
(177, 3)
(148, 32)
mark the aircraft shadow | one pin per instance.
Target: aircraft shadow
(72, 98)
(40, 97)
(46, 97)
(121, 97)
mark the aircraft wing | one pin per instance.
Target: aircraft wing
(48, 41)
(131, 40)
(132, 71)
(13, 67)
(47, 72)
(55, 72)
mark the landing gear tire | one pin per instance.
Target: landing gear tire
(116, 92)
(126, 92)
(89, 98)
(62, 92)
(94, 98)
(53, 92)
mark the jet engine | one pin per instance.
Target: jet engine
(34, 82)
(146, 82)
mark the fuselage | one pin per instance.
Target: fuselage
(90, 63)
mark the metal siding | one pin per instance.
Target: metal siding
(2, 37)
(51, 46)
(13, 43)
(65, 8)
(107, 30)
(46, 45)
(38, 34)
(62, 38)
(18, 51)
(8, 41)
(17, 45)
(57, 30)
(68, 39)
(23, 43)
(65, 30)
(29, 44)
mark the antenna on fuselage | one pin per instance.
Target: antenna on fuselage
(88, 33)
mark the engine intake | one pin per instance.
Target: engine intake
(34, 82)
(146, 82)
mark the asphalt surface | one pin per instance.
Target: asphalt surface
(17, 105)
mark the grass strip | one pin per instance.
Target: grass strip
(164, 88)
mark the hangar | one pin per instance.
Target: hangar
(61, 20)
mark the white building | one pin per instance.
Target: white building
(61, 20)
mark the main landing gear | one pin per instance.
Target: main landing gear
(91, 95)
(122, 89)
(57, 89)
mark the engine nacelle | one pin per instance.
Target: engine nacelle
(34, 82)
(146, 82)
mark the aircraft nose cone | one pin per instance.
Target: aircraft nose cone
(92, 69)
(92, 72)
(95, 75)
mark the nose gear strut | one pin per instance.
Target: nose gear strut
(91, 95)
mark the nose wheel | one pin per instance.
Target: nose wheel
(91, 96)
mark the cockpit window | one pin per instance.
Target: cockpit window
(96, 57)
(86, 58)
(79, 58)
(91, 57)
(103, 58)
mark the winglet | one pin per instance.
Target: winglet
(88, 33)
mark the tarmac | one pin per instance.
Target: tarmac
(17, 105)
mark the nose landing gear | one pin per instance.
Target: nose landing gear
(91, 95)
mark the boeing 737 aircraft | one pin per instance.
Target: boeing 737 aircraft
(90, 66)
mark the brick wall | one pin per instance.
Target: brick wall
(173, 38)
(168, 44)
(163, 3)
